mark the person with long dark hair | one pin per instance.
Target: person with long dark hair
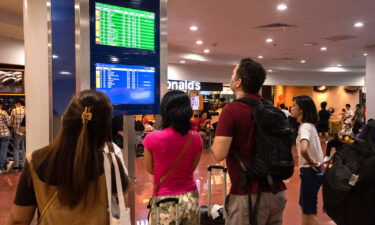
(65, 180)
(310, 157)
(171, 155)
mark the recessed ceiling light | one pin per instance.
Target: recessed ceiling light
(199, 42)
(182, 61)
(334, 69)
(270, 71)
(303, 61)
(114, 59)
(339, 65)
(269, 40)
(359, 24)
(282, 7)
(206, 51)
(260, 57)
(193, 28)
(364, 54)
(323, 49)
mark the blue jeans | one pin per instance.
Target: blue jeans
(19, 147)
(4, 144)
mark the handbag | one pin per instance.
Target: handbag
(119, 214)
(168, 172)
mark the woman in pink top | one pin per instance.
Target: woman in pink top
(162, 149)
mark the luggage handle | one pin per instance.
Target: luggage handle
(175, 201)
(225, 170)
(219, 167)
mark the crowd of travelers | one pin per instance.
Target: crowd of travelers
(67, 181)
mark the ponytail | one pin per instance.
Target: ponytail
(80, 167)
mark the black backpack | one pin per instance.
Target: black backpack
(273, 160)
(349, 184)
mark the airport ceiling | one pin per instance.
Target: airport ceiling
(233, 29)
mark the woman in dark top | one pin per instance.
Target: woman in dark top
(65, 180)
(323, 123)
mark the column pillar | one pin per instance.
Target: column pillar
(37, 76)
(370, 83)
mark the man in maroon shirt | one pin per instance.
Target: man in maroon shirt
(236, 131)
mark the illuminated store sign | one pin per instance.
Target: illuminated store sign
(193, 85)
(184, 85)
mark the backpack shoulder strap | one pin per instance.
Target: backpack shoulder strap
(248, 101)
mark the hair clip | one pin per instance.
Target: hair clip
(86, 115)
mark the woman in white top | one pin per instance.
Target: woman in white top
(310, 157)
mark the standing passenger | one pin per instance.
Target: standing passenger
(172, 155)
(358, 119)
(236, 131)
(4, 137)
(310, 157)
(65, 181)
(323, 123)
(285, 110)
(17, 116)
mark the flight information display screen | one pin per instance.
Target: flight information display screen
(124, 27)
(126, 84)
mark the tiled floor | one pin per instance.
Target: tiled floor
(143, 189)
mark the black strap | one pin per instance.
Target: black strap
(243, 164)
(253, 211)
(248, 101)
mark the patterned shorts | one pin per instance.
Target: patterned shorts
(188, 210)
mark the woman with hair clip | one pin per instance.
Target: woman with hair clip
(66, 180)
(171, 155)
(310, 157)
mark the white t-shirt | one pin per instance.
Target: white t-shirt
(349, 116)
(307, 131)
(286, 112)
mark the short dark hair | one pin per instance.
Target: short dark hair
(21, 102)
(282, 106)
(323, 105)
(252, 75)
(176, 111)
(359, 105)
(347, 105)
(307, 105)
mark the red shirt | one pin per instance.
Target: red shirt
(237, 121)
(197, 124)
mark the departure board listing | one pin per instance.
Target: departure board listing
(126, 84)
(124, 27)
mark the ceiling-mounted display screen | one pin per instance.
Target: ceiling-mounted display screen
(124, 27)
(126, 84)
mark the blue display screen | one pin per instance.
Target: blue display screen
(126, 84)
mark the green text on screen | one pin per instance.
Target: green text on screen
(124, 27)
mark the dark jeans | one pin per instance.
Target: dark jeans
(334, 143)
(310, 185)
(19, 149)
(3, 151)
(357, 127)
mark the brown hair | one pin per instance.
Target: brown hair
(75, 157)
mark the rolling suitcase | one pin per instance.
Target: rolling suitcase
(205, 211)
(175, 201)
